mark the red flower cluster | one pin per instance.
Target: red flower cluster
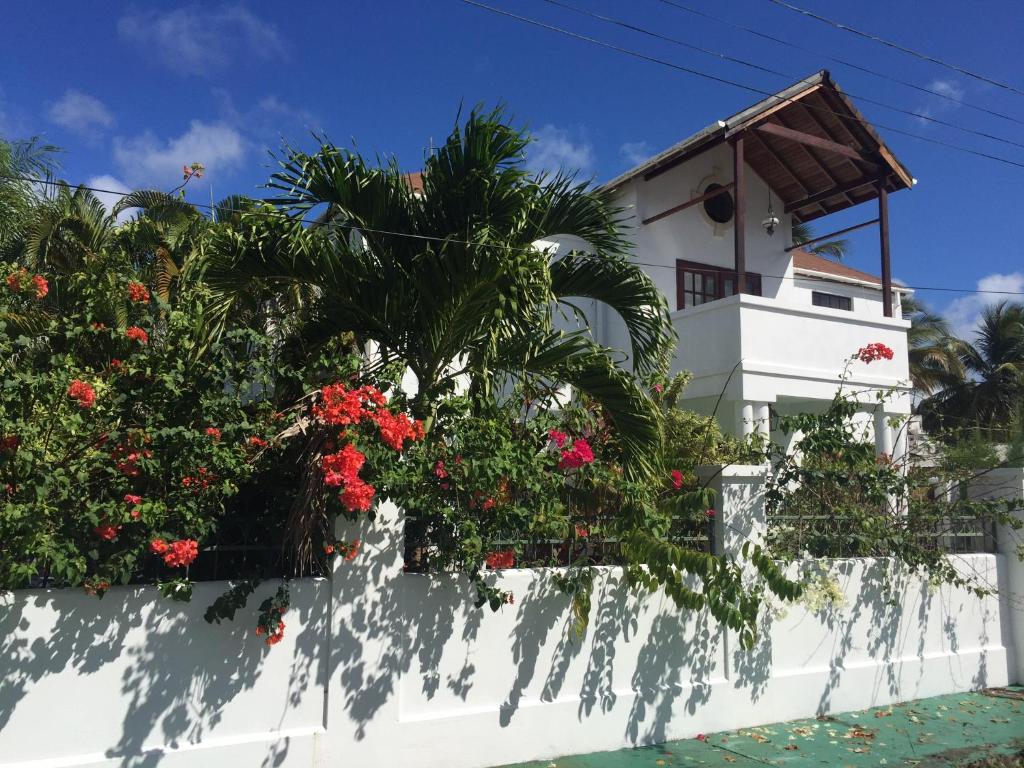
(82, 393)
(872, 352)
(138, 293)
(342, 467)
(258, 442)
(133, 501)
(677, 479)
(9, 443)
(274, 637)
(106, 531)
(214, 433)
(127, 459)
(341, 406)
(177, 554)
(137, 334)
(96, 587)
(348, 551)
(198, 483)
(357, 496)
(577, 456)
(709, 514)
(558, 438)
(19, 281)
(504, 558)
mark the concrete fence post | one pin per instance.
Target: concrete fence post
(739, 505)
(1008, 483)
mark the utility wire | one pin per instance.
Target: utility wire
(841, 62)
(776, 72)
(898, 47)
(451, 240)
(734, 83)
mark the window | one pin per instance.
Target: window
(698, 284)
(720, 207)
(831, 300)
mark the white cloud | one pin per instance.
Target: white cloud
(147, 159)
(635, 152)
(80, 112)
(552, 149)
(117, 190)
(936, 106)
(964, 313)
(196, 40)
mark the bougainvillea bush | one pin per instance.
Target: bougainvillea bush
(119, 445)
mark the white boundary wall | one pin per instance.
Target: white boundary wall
(379, 667)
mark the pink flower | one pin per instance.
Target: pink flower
(709, 514)
(872, 352)
(439, 470)
(701, 737)
(131, 498)
(659, 388)
(577, 456)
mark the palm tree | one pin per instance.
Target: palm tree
(990, 398)
(832, 249)
(450, 281)
(933, 351)
(20, 161)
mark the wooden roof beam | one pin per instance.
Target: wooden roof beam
(689, 203)
(838, 232)
(857, 164)
(810, 140)
(819, 197)
(764, 144)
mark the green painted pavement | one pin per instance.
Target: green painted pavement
(954, 730)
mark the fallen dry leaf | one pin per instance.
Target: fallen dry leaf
(791, 747)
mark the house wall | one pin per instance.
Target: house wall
(379, 667)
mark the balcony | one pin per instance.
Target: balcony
(764, 350)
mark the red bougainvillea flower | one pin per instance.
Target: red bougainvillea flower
(9, 443)
(138, 293)
(872, 352)
(340, 406)
(115, 363)
(577, 456)
(137, 334)
(158, 546)
(582, 532)
(352, 550)
(677, 479)
(701, 737)
(357, 495)
(258, 442)
(14, 279)
(131, 498)
(40, 285)
(503, 558)
(558, 438)
(439, 470)
(343, 466)
(96, 587)
(395, 428)
(181, 553)
(106, 531)
(213, 432)
(709, 513)
(82, 393)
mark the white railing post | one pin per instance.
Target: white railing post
(739, 505)
(1008, 483)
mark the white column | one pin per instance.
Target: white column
(745, 416)
(762, 419)
(883, 433)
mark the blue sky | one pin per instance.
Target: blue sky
(132, 92)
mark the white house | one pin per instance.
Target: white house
(762, 323)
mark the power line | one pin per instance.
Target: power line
(841, 62)
(778, 73)
(451, 240)
(898, 47)
(733, 83)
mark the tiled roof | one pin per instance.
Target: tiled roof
(810, 262)
(415, 181)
